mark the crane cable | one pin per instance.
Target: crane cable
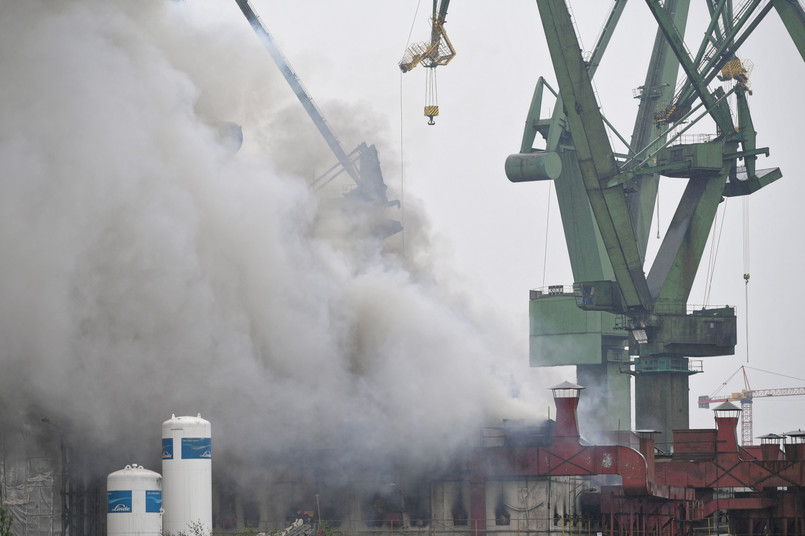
(431, 94)
(710, 261)
(714, 254)
(411, 31)
(714, 246)
(402, 138)
(746, 270)
(776, 374)
(718, 389)
(547, 225)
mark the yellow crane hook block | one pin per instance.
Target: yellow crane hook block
(430, 113)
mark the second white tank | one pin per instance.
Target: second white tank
(187, 476)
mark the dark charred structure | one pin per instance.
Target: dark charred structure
(625, 486)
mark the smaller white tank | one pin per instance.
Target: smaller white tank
(134, 502)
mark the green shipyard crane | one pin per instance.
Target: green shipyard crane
(620, 308)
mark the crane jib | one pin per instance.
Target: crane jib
(296, 85)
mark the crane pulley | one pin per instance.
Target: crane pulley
(431, 54)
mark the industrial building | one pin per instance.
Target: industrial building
(539, 478)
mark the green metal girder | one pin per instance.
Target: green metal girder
(605, 35)
(762, 177)
(533, 122)
(718, 111)
(594, 154)
(725, 45)
(581, 231)
(442, 9)
(588, 258)
(585, 247)
(793, 16)
(746, 130)
(677, 261)
(657, 90)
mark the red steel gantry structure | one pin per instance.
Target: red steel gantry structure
(709, 480)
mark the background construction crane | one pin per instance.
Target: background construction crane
(745, 398)
(431, 54)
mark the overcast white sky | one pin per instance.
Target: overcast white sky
(495, 231)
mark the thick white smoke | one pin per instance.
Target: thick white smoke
(146, 270)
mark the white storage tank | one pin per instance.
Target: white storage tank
(187, 476)
(134, 502)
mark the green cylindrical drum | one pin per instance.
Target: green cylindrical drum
(536, 166)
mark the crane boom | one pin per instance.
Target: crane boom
(790, 391)
(442, 9)
(439, 51)
(362, 164)
(595, 156)
(751, 394)
(303, 96)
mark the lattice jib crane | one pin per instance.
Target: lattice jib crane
(745, 397)
(431, 54)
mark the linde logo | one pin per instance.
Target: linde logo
(167, 448)
(119, 501)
